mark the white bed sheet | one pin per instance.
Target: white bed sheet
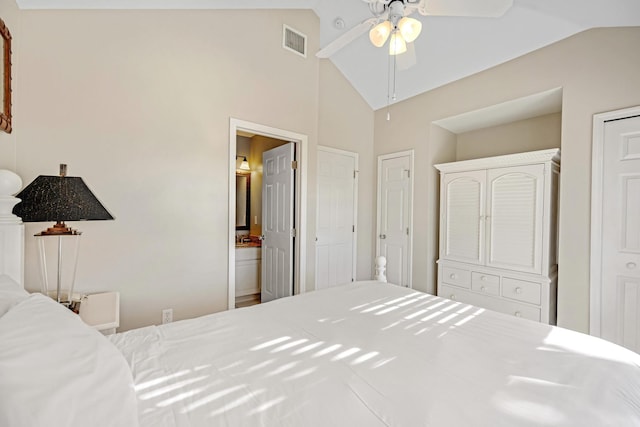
(374, 354)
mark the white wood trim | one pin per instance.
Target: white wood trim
(597, 169)
(540, 156)
(302, 155)
(355, 200)
(381, 158)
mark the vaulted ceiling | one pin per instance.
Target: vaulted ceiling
(448, 49)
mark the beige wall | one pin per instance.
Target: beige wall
(346, 122)
(138, 103)
(537, 133)
(597, 70)
(10, 14)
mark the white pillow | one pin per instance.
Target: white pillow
(11, 293)
(56, 371)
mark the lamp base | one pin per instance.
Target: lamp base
(58, 229)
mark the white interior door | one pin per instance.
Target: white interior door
(277, 222)
(394, 215)
(620, 291)
(335, 220)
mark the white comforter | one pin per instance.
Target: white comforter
(373, 354)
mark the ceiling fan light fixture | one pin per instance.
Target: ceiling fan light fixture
(397, 45)
(380, 33)
(409, 28)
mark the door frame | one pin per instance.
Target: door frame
(381, 158)
(597, 171)
(355, 203)
(300, 250)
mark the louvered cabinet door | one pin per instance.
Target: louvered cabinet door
(514, 217)
(463, 213)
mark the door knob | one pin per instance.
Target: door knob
(261, 237)
(383, 236)
(631, 265)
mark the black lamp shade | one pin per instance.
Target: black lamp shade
(59, 198)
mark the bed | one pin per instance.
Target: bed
(362, 354)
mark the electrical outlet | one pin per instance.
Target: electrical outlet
(167, 315)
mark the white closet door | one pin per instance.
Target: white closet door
(394, 215)
(335, 222)
(620, 292)
(514, 217)
(464, 205)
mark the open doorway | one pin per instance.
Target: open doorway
(249, 255)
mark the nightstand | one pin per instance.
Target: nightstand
(101, 311)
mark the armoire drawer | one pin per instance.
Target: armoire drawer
(456, 276)
(485, 283)
(492, 303)
(521, 290)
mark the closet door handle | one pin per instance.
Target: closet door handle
(383, 236)
(631, 265)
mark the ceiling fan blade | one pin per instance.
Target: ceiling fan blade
(346, 38)
(407, 59)
(483, 9)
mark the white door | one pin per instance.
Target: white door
(277, 222)
(620, 291)
(394, 215)
(335, 221)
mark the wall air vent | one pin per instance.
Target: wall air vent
(294, 41)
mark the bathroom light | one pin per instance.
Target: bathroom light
(245, 164)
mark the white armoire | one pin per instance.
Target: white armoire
(498, 233)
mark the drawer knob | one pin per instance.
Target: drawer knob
(631, 265)
(483, 278)
(518, 290)
(452, 297)
(453, 276)
(482, 288)
(518, 314)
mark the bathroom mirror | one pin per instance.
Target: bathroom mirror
(243, 183)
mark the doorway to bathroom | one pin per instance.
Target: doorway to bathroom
(267, 220)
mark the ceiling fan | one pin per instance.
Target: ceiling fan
(391, 21)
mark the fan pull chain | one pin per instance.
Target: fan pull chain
(388, 87)
(395, 68)
(391, 98)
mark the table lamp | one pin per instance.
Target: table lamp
(59, 198)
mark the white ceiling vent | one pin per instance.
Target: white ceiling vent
(294, 41)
